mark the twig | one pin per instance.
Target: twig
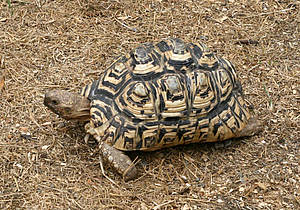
(2, 63)
(13, 194)
(33, 120)
(270, 99)
(126, 26)
(17, 184)
(253, 67)
(247, 41)
(76, 203)
(268, 13)
(103, 172)
(163, 204)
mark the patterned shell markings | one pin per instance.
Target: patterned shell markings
(166, 94)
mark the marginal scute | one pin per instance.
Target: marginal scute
(140, 90)
(119, 67)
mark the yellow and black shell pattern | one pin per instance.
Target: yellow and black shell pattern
(166, 94)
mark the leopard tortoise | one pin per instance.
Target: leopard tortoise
(159, 95)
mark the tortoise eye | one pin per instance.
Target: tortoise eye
(54, 102)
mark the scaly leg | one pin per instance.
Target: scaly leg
(253, 127)
(118, 160)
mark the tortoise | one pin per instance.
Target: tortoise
(159, 95)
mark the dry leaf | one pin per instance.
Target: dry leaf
(123, 18)
(24, 129)
(222, 19)
(188, 158)
(262, 185)
(2, 78)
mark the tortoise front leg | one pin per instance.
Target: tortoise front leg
(119, 161)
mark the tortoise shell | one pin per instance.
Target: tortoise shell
(166, 94)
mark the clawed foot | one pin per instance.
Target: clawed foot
(119, 161)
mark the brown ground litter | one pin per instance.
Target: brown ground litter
(44, 162)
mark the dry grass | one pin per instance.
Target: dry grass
(44, 162)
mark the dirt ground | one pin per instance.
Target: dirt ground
(44, 161)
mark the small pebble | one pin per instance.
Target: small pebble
(184, 178)
(19, 165)
(26, 136)
(45, 147)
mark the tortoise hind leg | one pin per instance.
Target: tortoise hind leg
(253, 127)
(119, 161)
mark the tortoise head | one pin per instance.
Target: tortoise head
(70, 106)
